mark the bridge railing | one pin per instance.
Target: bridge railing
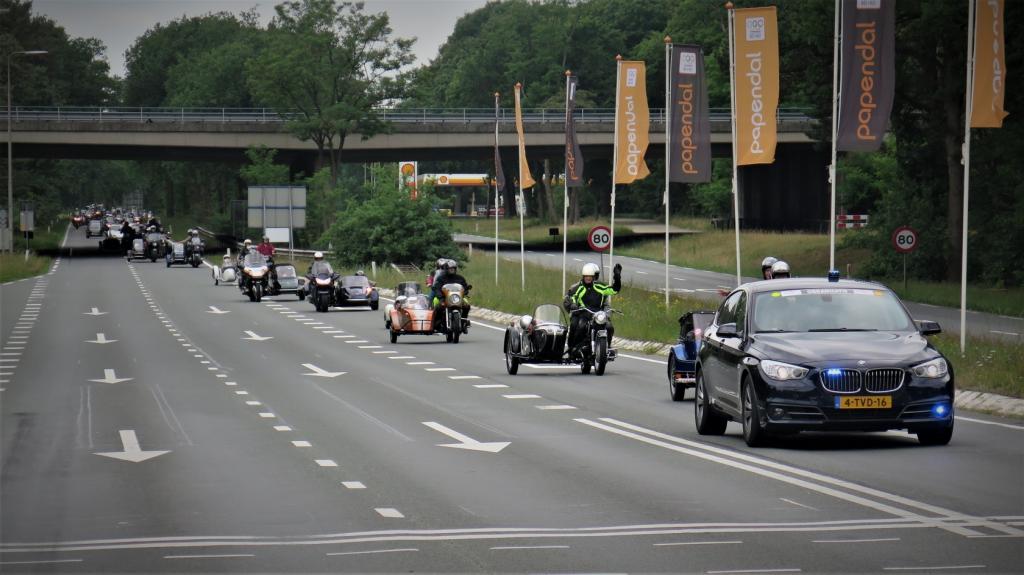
(151, 115)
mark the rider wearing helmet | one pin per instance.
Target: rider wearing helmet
(246, 246)
(590, 294)
(450, 276)
(266, 248)
(780, 270)
(766, 267)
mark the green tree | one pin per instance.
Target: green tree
(389, 226)
(261, 169)
(331, 65)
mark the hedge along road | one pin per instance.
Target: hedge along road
(328, 448)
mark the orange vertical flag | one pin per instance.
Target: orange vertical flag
(757, 84)
(525, 179)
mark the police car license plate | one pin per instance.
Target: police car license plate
(864, 402)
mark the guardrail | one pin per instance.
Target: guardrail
(146, 115)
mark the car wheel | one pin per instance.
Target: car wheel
(935, 436)
(754, 434)
(511, 361)
(302, 295)
(677, 392)
(708, 422)
(394, 336)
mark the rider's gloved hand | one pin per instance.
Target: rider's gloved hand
(617, 271)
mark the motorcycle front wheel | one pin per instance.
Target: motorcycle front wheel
(600, 356)
(456, 326)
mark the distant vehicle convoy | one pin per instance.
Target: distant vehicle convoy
(778, 356)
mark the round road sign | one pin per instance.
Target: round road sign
(599, 238)
(904, 239)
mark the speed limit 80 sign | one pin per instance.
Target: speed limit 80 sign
(599, 238)
(904, 239)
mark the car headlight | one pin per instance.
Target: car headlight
(931, 369)
(782, 371)
(601, 318)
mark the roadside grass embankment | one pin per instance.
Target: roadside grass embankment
(535, 232)
(989, 365)
(15, 266)
(807, 253)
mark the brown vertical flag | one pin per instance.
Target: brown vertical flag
(868, 73)
(573, 157)
(989, 66)
(690, 147)
(757, 84)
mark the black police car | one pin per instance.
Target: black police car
(788, 355)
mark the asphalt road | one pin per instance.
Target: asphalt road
(701, 283)
(326, 448)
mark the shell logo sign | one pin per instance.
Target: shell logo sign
(407, 173)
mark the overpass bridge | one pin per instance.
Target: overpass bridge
(795, 183)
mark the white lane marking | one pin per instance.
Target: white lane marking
(797, 504)
(522, 396)
(642, 273)
(555, 407)
(254, 403)
(856, 540)
(221, 375)
(320, 372)
(679, 279)
(353, 484)
(648, 360)
(524, 547)
(220, 556)
(267, 415)
(765, 468)
(385, 352)
(402, 550)
(335, 331)
(212, 369)
(314, 322)
(370, 346)
(440, 369)
(754, 571)
(1015, 334)
(402, 357)
(984, 422)
(464, 441)
(343, 336)
(241, 393)
(389, 512)
(326, 462)
(357, 341)
(576, 259)
(464, 377)
(676, 543)
(205, 361)
(302, 444)
(491, 386)
(322, 327)
(230, 383)
(282, 428)
(41, 561)
(11, 353)
(933, 568)
(419, 363)
(477, 322)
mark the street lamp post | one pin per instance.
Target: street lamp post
(10, 145)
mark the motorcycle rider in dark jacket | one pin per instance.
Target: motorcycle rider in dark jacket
(450, 276)
(590, 294)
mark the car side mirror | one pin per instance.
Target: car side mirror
(727, 330)
(927, 327)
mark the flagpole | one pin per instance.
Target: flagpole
(971, 49)
(835, 129)
(735, 143)
(565, 186)
(668, 151)
(497, 192)
(520, 204)
(615, 162)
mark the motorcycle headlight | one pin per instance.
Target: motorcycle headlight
(455, 299)
(257, 273)
(782, 371)
(322, 282)
(601, 318)
(931, 369)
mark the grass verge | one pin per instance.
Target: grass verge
(15, 266)
(534, 231)
(989, 365)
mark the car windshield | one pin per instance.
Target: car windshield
(355, 281)
(321, 268)
(255, 259)
(548, 313)
(829, 309)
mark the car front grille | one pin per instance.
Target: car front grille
(883, 380)
(840, 381)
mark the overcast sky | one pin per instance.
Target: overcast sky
(119, 22)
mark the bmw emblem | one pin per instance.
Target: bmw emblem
(861, 362)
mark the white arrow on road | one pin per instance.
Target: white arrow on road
(317, 372)
(213, 309)
(100, 338)
(95, 311)
(110, 377)
(131, 452)
(254, 337)
(466, 442)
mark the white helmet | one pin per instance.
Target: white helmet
(591, 269)
(780, 269)
(318, 256)
(247, 242)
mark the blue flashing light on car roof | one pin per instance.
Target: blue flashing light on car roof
(833, 275)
